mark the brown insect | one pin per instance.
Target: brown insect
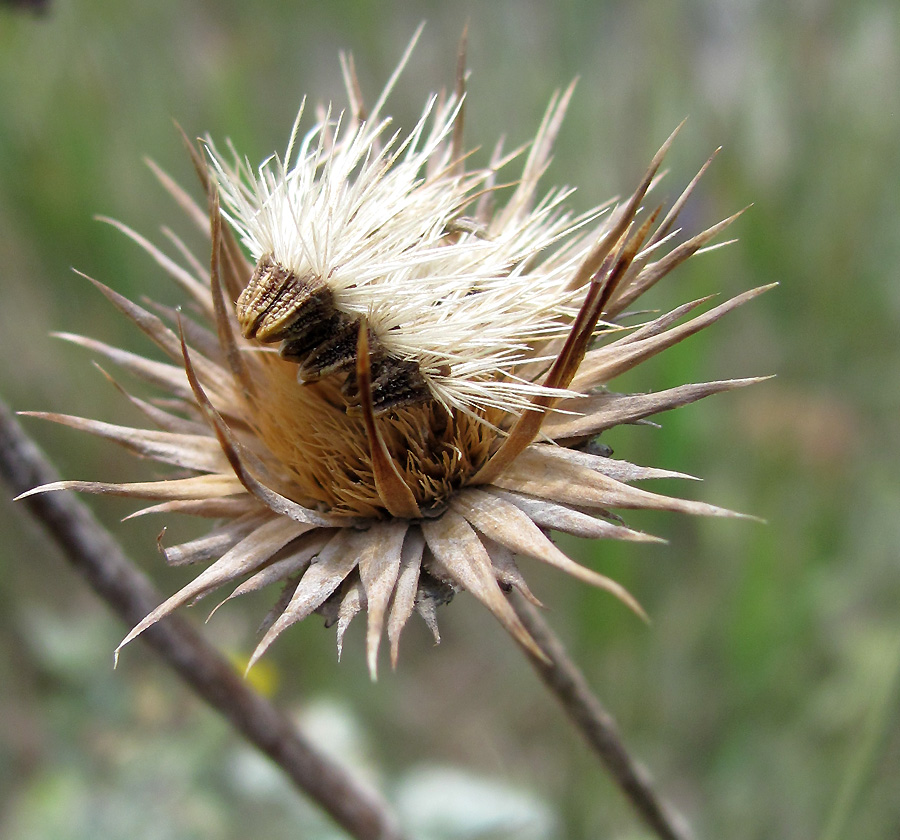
(300, 312)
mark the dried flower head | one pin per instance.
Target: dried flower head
(403, 384)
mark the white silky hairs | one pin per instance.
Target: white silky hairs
(402, 236)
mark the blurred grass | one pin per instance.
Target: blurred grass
(750, 693)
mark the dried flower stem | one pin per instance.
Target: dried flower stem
(562, 676)
(88, 546)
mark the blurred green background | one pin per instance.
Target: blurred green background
(763, 696)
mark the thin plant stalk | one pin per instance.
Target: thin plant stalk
(98, 557)
(566, 681)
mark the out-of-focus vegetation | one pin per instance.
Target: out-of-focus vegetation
(764, 693)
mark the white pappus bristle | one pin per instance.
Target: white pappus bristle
(384, 221)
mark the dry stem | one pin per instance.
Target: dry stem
(88, 546)
(562, 676)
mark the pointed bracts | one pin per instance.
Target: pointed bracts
(388, 383)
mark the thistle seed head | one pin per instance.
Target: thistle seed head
(398, 370)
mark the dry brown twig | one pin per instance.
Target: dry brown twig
(99, 558)
(564, 679)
